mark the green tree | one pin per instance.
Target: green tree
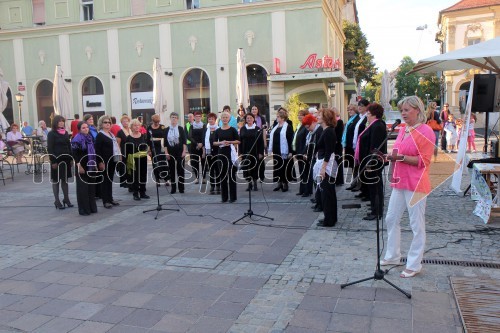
(293, 105)
(406, 85)
(429, 84)
(362, 66)
(372, 89)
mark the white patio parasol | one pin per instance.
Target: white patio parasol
(385, 91)
(61, 95)
(242, 93)
(4, 87)
(158, 101)
(485, 55)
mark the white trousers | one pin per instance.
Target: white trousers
(399, 201)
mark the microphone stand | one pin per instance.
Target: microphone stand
(250, 212)
(379, 274)
(159, 207)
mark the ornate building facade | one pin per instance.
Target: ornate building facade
(466, 23)
(106, 50)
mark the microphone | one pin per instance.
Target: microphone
(396, 124)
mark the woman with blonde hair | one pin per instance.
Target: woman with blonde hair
(176, 150)
(414, 148)
(108, 154)
(136, 149)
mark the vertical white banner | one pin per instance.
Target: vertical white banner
(456, 182)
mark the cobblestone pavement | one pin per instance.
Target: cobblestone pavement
(193, 270)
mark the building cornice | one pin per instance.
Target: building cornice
(169, 17)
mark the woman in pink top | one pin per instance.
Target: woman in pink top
(411, 185)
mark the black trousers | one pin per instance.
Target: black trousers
(160, 167)
(195, 158)
(227, 178)
(121, 168)
(443, 140)
(376, 191)
(107, 182)
(213, 170)
(140, 175)
(282, 170)
(339, 178)
(250, 166)
(363, 178)
(176, 167)
(85, 193)
(310, 180)
(329, 200)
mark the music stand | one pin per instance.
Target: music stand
(159, 207)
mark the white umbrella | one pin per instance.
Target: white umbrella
(242, 93)
(4, 87)
(158, 102)
(61, 95)
(385, 91)
(485, 55)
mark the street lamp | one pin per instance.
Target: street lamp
(427, 97)
(19, 99)
(331, 89)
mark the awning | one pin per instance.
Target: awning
(334, 76)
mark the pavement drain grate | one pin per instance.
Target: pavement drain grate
(478, 301)
(478, 264)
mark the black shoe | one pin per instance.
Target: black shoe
(212, 191)
(305, 195)
(173, 191)
(67, 203)
(181, 191)
(371, 217)
(130, 189)
(300, 193)
(285, 187)
(136, 197)
(277, 188)
(58, 205)
(255, 188)
(313, 200)
(107, 205)
(231, 201)
(350, 188)
(84, 213)
(321, 224)
(365, 199)
(115, 203)
(145, 196)
(223, 201)
(361, 195)
(317, 209)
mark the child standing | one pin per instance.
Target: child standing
(472, 134)
(451, 134)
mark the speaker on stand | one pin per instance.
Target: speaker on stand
(483, 99)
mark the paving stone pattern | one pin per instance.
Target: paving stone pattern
(194, 271)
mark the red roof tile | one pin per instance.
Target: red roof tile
(468, 4)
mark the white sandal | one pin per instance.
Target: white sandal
(408, 274)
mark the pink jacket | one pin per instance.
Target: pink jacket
(419, 143)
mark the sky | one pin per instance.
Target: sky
(390, 28)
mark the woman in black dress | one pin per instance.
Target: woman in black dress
(339, 131)
(84, 154)
(225, 138)
(261, 122)
(121, 138)
(280, 146)
(136, 151)
(156, 133)
(59, 149)
(108, 154)
(251, 150)
(195, 135)
(328, 168)
(371, 167)
(211, 151)
(175, 150)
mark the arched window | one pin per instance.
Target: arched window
(463, 95)
(141, 97)
(196, 86)
(93, 97)
(44, 103)
(257, 86)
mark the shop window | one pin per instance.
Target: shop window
(472, 41)
(196, 92)
(87, 10)
(38, 12)
(92, 86)
(192, 4)
(93, 97)
(257, 87)
(141, 97)
(44, 104)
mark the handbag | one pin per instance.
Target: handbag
(434, 124)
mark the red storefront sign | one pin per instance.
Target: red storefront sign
(21, 88)
(326, 62)
(277, 65)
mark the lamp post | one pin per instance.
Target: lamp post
(331, 91)
(19, 99)
(427, 97)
